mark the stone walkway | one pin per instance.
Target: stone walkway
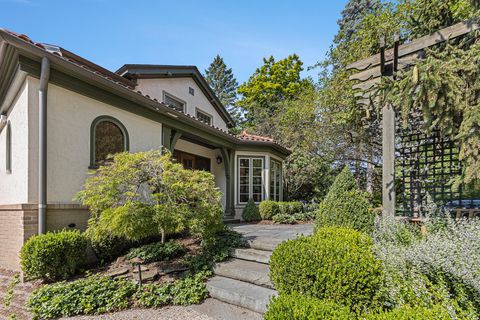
(244, 280)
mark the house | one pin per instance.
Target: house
(61, 115)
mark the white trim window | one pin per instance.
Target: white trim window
(275, 180)
(250, 179)
(173, 102)
(204, 117)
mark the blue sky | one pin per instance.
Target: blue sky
(111, 33)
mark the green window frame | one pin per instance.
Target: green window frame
(276, 183)
(250, 179)
(93, 137)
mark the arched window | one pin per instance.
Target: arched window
(107, 137)
(8, 149)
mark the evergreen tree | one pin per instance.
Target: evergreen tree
(222, 81)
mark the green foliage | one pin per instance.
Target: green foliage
(96, 295)
(444, 87)
(268, 209)
(215, 248)
(273, 82)
(284, 218)
(345, 206)
(290, 207)
(54, 255)
(250, 212)
(92, 295)
(437, 312)
(107, 247)
(299, 307)
(7, 299)
(145, 194)
(222, 81)
(156, 251)
(335, 263)
(191, 290)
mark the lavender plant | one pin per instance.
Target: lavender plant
(442, 267)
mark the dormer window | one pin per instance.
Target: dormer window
(204, 117)
(173, 102)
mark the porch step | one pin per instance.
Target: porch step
(231, 221)
(239, 293)
(263, 243)
(220, 310)
(247, 271)
(254, 255)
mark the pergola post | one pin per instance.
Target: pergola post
(388, 135)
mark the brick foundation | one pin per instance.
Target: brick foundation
(20, 221)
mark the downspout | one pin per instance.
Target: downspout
(42, 145)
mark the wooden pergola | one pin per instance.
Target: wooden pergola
(412, 148)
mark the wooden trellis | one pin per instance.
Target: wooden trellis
(414, 163)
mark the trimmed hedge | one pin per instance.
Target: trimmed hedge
(335, 263)
(290, 207)
(250, 212)
(299, 307)
(346, 206)
(54, 255)
(268, 209)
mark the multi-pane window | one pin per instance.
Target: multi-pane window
(109, 137)
(173, 102)
(275, 180)
(204, 117)
(250, 179)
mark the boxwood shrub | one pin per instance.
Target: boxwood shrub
(346, 206)
(299, 307)
(268, 209)
(54, 255)
(250, 212)
(335, 263)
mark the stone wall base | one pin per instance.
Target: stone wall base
(19, 222)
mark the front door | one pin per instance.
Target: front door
(188, 161)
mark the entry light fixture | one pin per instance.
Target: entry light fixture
(219, 160)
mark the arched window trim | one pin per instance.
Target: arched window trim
(8, 149)
(98, 120)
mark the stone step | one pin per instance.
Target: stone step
(239, 293)
(220, 310)
(263, 243)
(246, 271)
(255, 255)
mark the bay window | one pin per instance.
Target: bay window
(250, 179)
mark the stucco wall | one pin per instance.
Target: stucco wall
(218, 170)
(69, 119)
(14, 185)
(178, 87)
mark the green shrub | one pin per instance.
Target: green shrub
(250, 212)
(145, 194)
(92, 295)
(290, 207)
(283, 218)
(54, 255)
(215, 248)
(335, 263)
(268, 209)
(299, 307)
(108, 248)
(191, 290)
(345, 206)
(438, 312)
(157, 251)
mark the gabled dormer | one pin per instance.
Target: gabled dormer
(183, 88)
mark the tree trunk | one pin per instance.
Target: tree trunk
(162, 232)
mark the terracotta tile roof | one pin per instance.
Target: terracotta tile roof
(252, 137)
(126, 83)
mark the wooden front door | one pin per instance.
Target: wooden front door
(188, 161)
